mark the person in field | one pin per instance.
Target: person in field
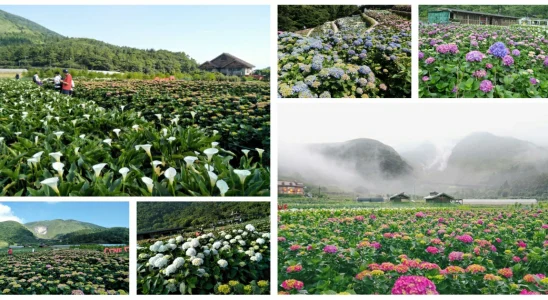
(17, 76)
(57, 82)
(36, 79)
(10, 253)
(72, 87)
(66, 83)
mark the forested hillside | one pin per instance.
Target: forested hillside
(115, 235)
(24, 43)
(161, 215)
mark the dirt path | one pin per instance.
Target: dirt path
(374, 22)
(334, 26)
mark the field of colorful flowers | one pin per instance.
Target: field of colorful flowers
(64, 272)
(355, 61)
(236, 262)
(474, 61)
(135, 138)
(428, 251)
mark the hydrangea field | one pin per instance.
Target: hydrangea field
(225, 262)
(64, 272)
(365, 56)
(135, 138)
(474, 61)
(413, 251)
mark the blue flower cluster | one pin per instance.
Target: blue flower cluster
(498, 49)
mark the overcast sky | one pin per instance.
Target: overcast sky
(405, 125)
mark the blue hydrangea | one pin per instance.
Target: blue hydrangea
(498, 49)
(345, 46)
(336, 72)
(309, 80)
(361, 81)
(363, 55)
(306, 94)
(316, 44)
(393, 57)
(351, 52)
(368, 44)
(364, 70)
(299, 87)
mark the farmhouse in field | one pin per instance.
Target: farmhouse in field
(399, 197)
(371, 199)
(446, 15)
(436, 197)
(290, 188)
(228, 64)
(533, 22)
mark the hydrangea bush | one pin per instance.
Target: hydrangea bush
(407, 252)
(225, 262)
(474, 61)
(64, 272)
(355, 62)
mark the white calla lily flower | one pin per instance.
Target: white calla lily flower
(210, 152)
(97, 169)
(38, 156)
(58, 166)
(148, 182)
(170, 174)
(124, 172)
(212, 178)
(56, 156)
(145, 147)
(222, 186)
(117, 131)
(242, 174)
(189, 160)
(108, 141)
(52, 183)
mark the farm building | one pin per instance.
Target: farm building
(533, 22)
(290, 188)
(446, 15)
(228, 64)
(374, 199)
(399, 197)
(436, 197)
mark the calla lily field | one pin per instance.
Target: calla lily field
(135, 138)
(235, 261)
(467, 250)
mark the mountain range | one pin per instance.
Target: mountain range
(60, 231)
(24, 43)
(481, 162)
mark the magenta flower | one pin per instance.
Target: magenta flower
(447, 48)
(421, 55)
(465, 238)
(456, 256)
(432, 250)
(534, 81)
(414, 285)
(376, 245)
(527, 292)
(330, 249)
(486, 86)
(420, 214)
(480, 73)
(431, 60)
(521, 244)
(488, 66)
(516, 259)
(425, 78)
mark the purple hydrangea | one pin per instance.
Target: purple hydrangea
(486, 86)
(498, 49)
(429, 60)
(516, 52)
(507, 60)
(480, 73)
(455, 89)
(414, 285)
(425, 78)
(546, 62)
(299, 87)
(474, 56)
(336, 72)
(488, 66)
(330, 249)
(533, 81)
(447, 48)
(421, 55)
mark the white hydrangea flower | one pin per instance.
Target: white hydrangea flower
(232, 241)
(216, 245)
(190, 252)
(156, 246)
(238, 237)
(266, 235)
(222, 263)
(153, 259)
(256, 247)
(197, 261)
(179, 239)
(178, 262)
(258, 256)
(214, 252)
(200, 255)
(228, 237)
(242, 243)
(172, 246)
(186, 245)
(244, 234)
(205, 247)
(170, 270)
(201, 272)
(249, 227)
(260, 241)
(234, 231)
(242, 264)
(226, 243)
(171, 241)
(195, 243)
(207, 252)
(225, 248)
(240, 231)
(160, 262)
(162, 248)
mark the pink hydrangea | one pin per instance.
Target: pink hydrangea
(465, 238)
(420, 214)
(432, 250)
(521, 244)
(414, 285)
(330, 249)
(456, 256)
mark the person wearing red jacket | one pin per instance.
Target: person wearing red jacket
(66, 83)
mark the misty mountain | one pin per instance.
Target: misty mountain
(367, 157)
(424, 157)
(54, 228)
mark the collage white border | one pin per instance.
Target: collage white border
(274, 130)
